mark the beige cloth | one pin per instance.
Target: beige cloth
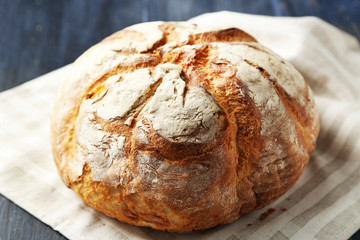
(324, 204)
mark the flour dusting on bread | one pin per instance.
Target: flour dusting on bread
(123, 93)
(180, 113)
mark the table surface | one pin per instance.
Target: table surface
(38, 36)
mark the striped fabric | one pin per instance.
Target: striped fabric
(325, 202)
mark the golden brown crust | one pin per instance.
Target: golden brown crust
(181, 128)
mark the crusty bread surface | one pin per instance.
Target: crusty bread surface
(182, 128)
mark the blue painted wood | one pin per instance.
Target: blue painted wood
(15, 223)
(38, 36)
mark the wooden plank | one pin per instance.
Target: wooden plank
(16, 223)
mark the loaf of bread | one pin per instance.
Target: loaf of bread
(181, 128)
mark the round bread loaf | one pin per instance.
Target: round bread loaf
(181, 128)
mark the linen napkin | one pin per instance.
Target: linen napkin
(324, 203)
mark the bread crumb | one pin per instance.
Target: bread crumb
(266, 214)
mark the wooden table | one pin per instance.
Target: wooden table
(38, 36)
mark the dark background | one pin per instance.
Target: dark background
(38, 36)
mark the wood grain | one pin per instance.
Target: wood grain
(16, 223)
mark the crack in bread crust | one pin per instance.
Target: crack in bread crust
(182, 128)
